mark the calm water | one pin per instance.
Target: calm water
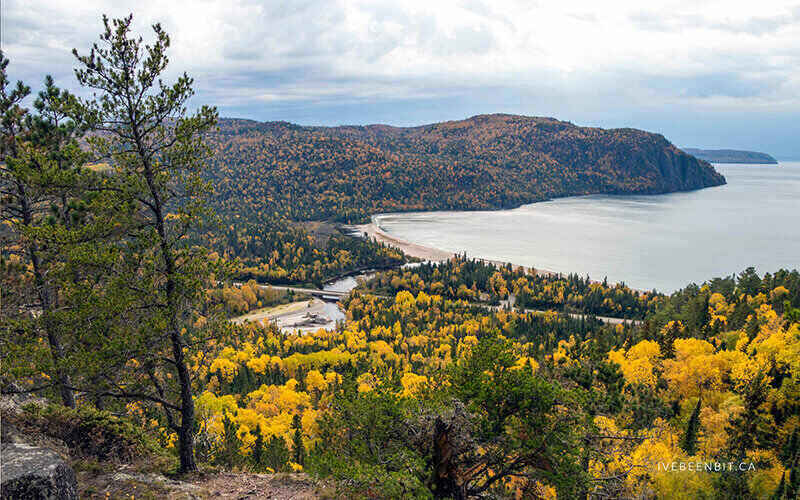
(660, 241)
(345, 284)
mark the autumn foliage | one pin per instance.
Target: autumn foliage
(484, 162)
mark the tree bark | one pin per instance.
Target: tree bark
(186, 432)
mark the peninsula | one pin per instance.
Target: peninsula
(731, 156)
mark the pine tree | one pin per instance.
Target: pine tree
(689, 442)
(298, 449)
(753, 427)
(258, 447)
(157, 154)
(276, 454)
(749, 282)
(44, 207)
(229, 451)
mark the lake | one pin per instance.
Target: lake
(654, 241)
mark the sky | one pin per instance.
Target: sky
(713, 74)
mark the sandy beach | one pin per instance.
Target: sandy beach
(438, 255)
(427, 253)
(410, 249)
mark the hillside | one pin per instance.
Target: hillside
(485, 162)
(731, 156)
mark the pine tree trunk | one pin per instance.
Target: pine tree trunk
(186, 434)
(186, 430)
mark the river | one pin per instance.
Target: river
(656, 241)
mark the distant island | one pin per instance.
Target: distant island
(731, 156)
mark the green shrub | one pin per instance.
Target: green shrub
(364, 448)
(89, 432)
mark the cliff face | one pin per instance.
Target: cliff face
(484, 162)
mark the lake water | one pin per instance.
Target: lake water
(657, 241)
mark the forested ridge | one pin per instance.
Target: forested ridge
(485, 162)
(731, 156)
(271, 177)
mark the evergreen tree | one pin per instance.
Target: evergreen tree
(689, 442)
(258, 447)
(298, 449)
(44, 206)
(749, 282)
(667, 339)
(753, 427)
(157, 153)
(228, 452)
(276, 454)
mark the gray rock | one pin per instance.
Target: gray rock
(156, 480)
(31, 473)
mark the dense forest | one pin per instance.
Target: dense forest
(278, 251)
(116, 290)
(484, 162)
(270, 178)
(480, 281)
(419, 395)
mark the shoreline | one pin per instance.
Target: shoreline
(423, 252)
(411, 249)
(373, 230)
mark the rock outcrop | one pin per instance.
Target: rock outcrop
(30, 466)
(33, 473)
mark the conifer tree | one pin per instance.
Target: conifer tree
(258, 447)
(157, 153)
(298, 449)
(753, 427)
(689, 442)
(42, 186)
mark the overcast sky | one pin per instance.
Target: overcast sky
(704, 73)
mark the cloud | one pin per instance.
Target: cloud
(424, 59)
(757, 25)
